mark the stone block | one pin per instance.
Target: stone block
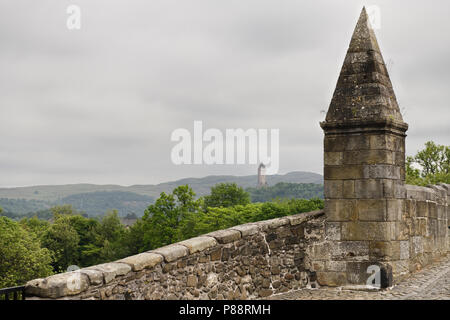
(142, 260)
(320, 251)
(349, 189)
(299, 218)
(172, 252)
(198, 244)
(343, 172)
(395, 209)
(432, 210)
(399, 159)
(332, 231)
(334, 143)
(417, 193)
(337, 266)
(371, 210)
(362, 230)
(416, 246)
(95, 276)
(331, 279)
(369, 189)
(354, 250)
(354, 230)
(111, 270)
(191, 281)
(382, 171)
(404, 249)
(58, 285)
(374, 157)
(399, 189)
(340, 210)
(387, 142)
(333, 189)
(333, 158)
(246, 229)
(380, 250)
(381, 230)
(272, 223)
(225, 236)
(388, 188)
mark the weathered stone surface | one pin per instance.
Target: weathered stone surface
(246, 229)
(344, 172)
(334, 189)
(369, 189)
(225, 236)
(143, 260)
(111, 270)
(363, 81)
(199, 243)
(273, 223)
(371, 210)
(95, 276)
(334, 158)
(341, 210)
(299, 218)
(343, 250)
(172, 252)
(332, 279)
(59, 285)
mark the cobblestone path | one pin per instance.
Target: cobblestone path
(433, 282)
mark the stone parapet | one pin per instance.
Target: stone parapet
(253, 260)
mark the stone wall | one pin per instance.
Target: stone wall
(416, 236)
(425, 226)
(249, 261)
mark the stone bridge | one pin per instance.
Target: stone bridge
(371, 218)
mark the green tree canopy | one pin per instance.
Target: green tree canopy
(226, 195)
(162, 219)
(63, 240)
(21, 256)
(430, 165)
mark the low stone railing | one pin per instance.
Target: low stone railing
(253, 260)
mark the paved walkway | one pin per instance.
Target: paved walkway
(431, 283)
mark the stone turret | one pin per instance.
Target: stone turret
(364, 167)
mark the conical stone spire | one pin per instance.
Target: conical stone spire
(364, 91)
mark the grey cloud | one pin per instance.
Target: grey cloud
(99, 104)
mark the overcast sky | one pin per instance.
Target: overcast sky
(98, 105)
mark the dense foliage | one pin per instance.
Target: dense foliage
(430, 165)
(21, 256)
(284, 190)
(226, 195)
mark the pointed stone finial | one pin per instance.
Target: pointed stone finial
(364, 91)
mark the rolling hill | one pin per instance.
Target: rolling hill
(96, 199)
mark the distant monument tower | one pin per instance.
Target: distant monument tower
(262, 175)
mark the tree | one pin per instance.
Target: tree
(62, 239)
(226, 195)
(35, 226)
(162, 219)
(21, 257)
(112, 234)
(429, 166)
